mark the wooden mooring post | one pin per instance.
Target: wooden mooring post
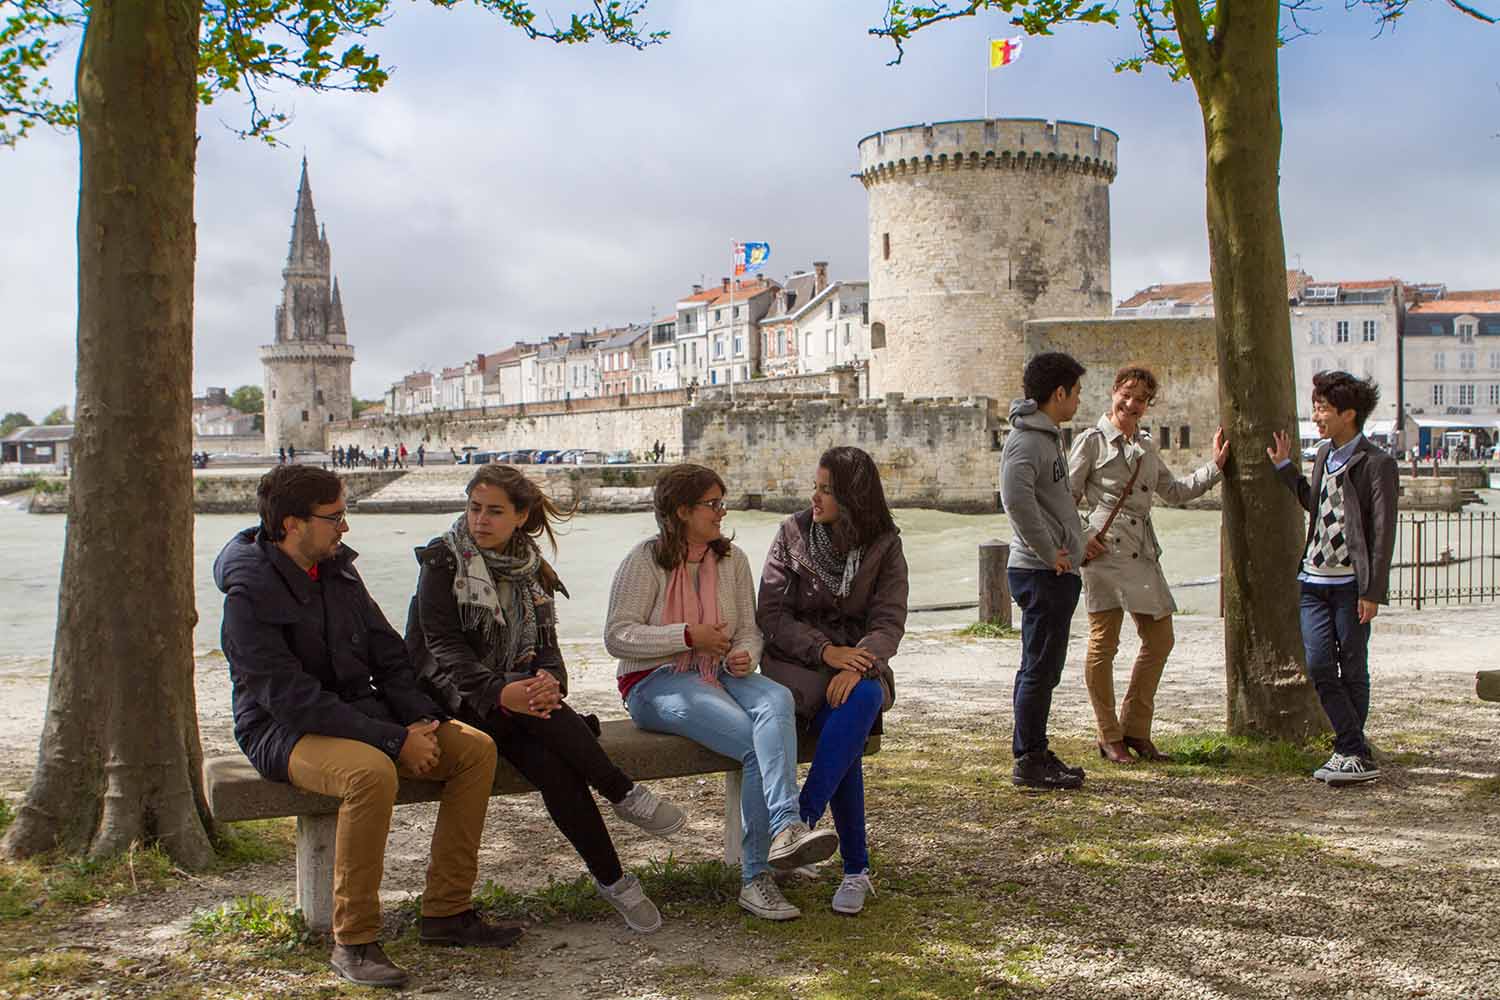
(1487, 685)
(994, 588)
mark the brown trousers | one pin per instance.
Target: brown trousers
(1134, 719)
(366, 780)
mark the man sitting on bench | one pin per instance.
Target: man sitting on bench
(325, 697)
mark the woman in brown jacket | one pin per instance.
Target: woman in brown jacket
(832, 609)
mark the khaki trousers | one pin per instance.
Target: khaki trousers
(366, 780)
(1134, 720)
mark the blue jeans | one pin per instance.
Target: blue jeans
(1338, 660)
(1047, 600)
(837, 777)
(750, 719)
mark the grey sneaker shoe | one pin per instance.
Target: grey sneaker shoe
(366, 965)
(627, 897)
(1330, 767)
(797, 845)
(650, 812)
(762, 897)
(850, 897)
(1353, 770)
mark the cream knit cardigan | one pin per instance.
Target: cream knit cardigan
(633, 631)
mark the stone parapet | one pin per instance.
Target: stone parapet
(998, 143)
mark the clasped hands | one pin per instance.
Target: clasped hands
(714, 640)
(851, 664)
(538, 696)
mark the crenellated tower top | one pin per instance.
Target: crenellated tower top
(1005, 143)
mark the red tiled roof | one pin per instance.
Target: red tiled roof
(1454, 307)
(742, 290)
(1194, 292)
(1477, 295)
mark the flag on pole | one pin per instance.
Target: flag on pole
(1004, 51)
(750, 257)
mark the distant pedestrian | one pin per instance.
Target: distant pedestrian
(421, 456)
(281, 455)
(401, 456)
(1346, 561)
(291, 453)
(385, 456)
(1045, 557)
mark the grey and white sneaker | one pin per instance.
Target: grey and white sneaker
(762, 897)
(627, 897)
(850, 897)
(1352, 770)
(650, 812)
(1330, 767)
(796, 845)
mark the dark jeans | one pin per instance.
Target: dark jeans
(836, 778)
(1338, 660)
(1047, 600)
(561, 756)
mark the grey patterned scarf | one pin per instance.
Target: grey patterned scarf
(498, 593)
(837, 573)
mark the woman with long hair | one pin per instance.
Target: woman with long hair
(482, 632)
(682, 622)
(1116, 469)
(833, 611)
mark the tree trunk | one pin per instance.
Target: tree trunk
(120, 760)
(1263, 530)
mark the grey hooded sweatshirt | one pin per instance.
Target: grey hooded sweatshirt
(1034, 488)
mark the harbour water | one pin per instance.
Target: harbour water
(941, 550)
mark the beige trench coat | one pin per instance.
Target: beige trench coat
(1129, 575)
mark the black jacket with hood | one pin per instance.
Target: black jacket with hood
(310, 656)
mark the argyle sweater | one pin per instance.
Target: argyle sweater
(1327, 556)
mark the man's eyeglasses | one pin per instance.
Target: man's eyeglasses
(340, 519)
(717, 506)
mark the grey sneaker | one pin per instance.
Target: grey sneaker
(627, 897)
(1330, 767)
(850, 897)
(762, 897)
(650, 812)
(366, 965)
(1353, 770)
(797, 845)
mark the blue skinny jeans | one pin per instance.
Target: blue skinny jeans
(837, 777)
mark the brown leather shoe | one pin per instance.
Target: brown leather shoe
(366, 965)
(1115, 752)
(468, 930)
(1147, 750)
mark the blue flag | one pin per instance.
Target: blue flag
(750, 256)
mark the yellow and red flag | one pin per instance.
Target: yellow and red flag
(1004, 51)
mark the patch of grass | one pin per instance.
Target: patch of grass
(1484, 788)
(46, 883)
(7, 814)
(268, 924)
(672, 884)
(1244, 755)
(989, 630)
(50, 968)
(256, 841)
(52, 486)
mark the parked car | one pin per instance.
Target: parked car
(584, 457)
(543, 456)
(569, 457)
(524, 456)
(619, 458)
(480, 457)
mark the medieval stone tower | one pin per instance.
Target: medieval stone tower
(307, 368)
(976, 227)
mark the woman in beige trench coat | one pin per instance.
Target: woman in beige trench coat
(1122, 569)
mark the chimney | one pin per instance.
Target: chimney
(820, 268)
(697, 289)
(725, 283)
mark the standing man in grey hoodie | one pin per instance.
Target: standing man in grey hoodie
(1045, 556)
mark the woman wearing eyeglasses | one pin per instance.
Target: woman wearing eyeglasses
(682, 622)
(483, 633)
(833, 611)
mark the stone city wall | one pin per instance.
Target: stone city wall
(938, 453)
(230, 444)
(835, 382)
(1181, 352)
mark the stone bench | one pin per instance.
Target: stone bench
(237, 792)
(1487, 685)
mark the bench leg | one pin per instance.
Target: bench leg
(734, 828)
(315, 836)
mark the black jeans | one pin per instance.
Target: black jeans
(561, 756)
(1047, 600)
(1338, 663)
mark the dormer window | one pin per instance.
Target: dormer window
(1465, 328)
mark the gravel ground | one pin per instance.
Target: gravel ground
(1394, 899)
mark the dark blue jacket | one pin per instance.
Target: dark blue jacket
(310, 656)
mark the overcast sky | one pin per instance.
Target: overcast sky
(500, 189)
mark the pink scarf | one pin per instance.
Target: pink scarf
(695, 606)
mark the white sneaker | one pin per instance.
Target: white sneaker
(650, 812)
(630, 900)
(762, 897)
(850, 897)
(797, 845)
(1332, 766)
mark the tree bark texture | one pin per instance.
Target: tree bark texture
(120, 760)
(1235, 75)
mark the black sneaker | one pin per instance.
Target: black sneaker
(366, 965)
(468, 930)
(1353, 770)
(1042, 769)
